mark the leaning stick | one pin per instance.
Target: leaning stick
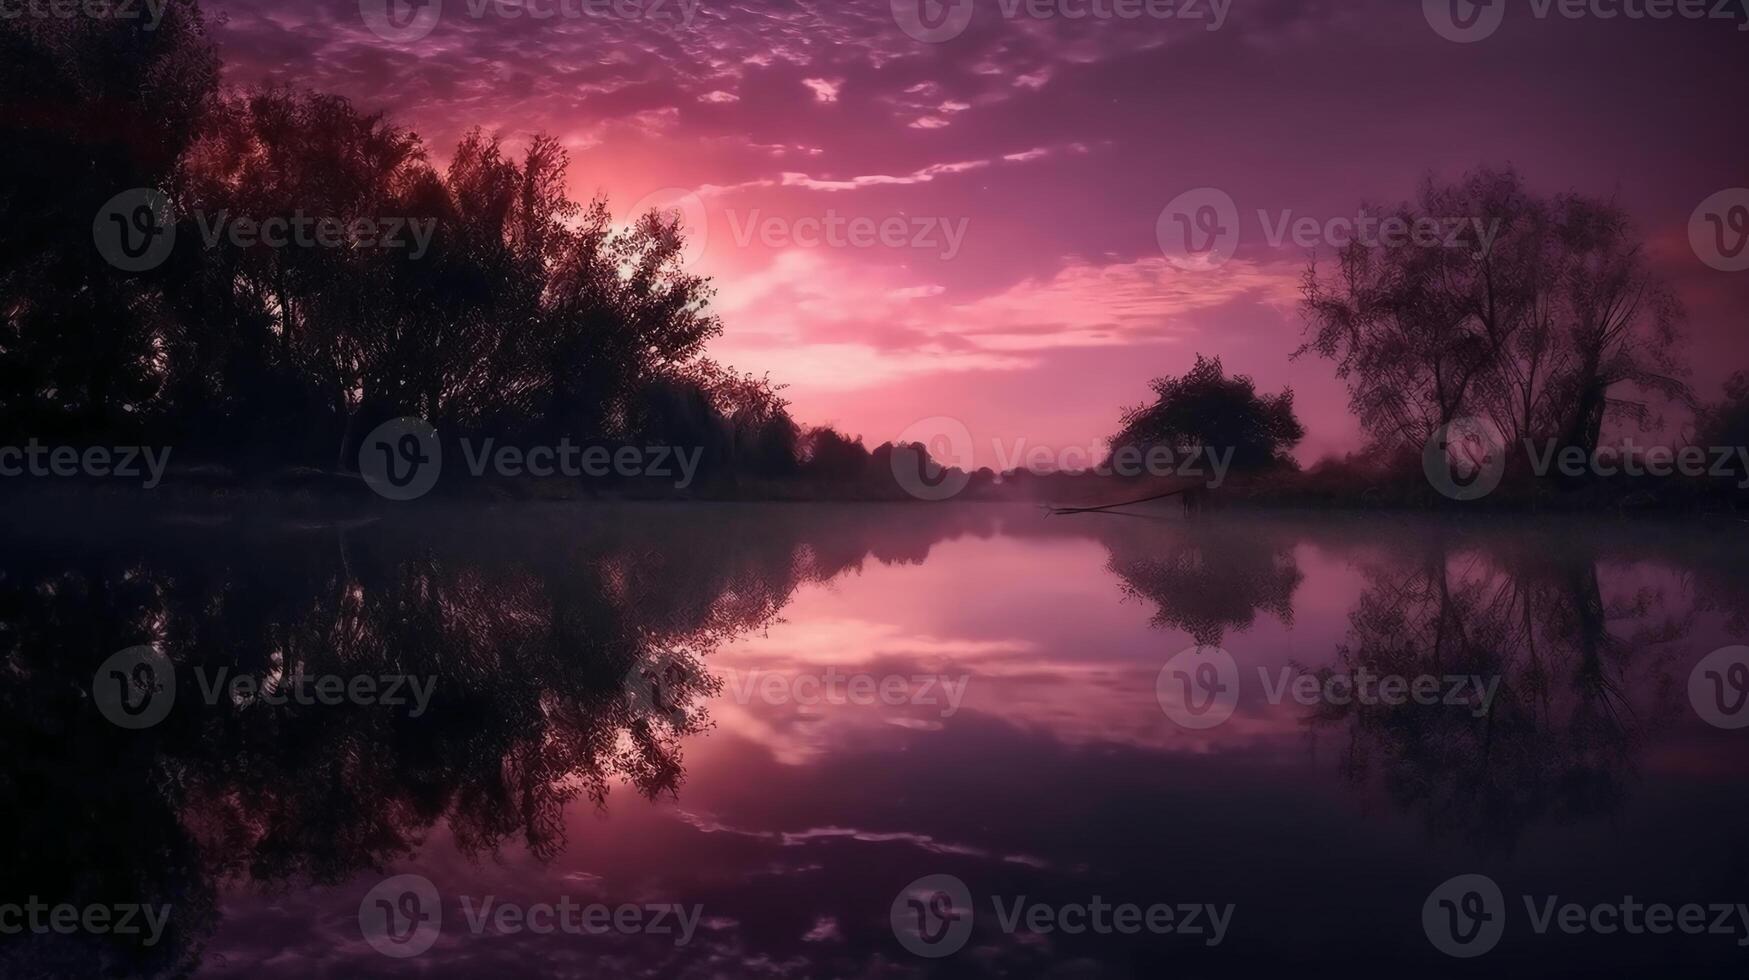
(1127, 503)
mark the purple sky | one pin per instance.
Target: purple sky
(1024, 163)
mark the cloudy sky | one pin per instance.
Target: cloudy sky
(997, 177)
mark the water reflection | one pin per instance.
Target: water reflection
(573, 655)
(1207, 578)
(1580, 677)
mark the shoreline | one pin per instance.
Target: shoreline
(306, 491)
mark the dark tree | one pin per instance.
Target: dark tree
(89, 107)
(1206, 410)
(1539, 315)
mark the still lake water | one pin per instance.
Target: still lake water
(828, 703)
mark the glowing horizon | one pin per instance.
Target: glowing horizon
(1050, 146)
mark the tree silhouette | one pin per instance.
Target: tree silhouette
(1206, 410)
(1538, 315)
(89, 107)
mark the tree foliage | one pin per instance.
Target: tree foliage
(523, 314)
(1206, 410)
(1540, 315)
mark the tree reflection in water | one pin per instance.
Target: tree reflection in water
(1581, 675)
(526, 632)
(1580, 678)
(530, 622)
